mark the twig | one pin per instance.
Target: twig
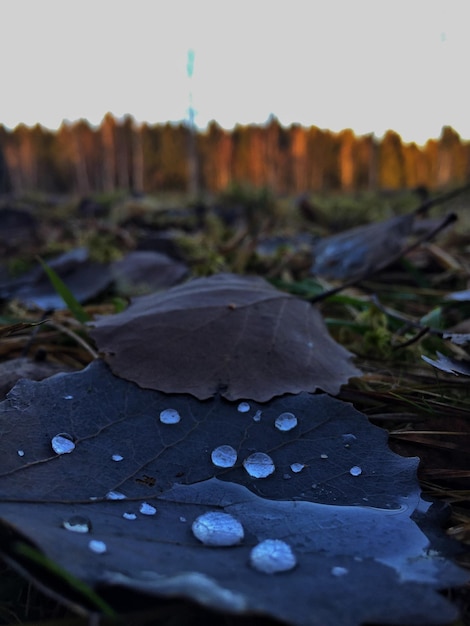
(74, 336)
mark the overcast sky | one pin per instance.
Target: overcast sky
(368, 65)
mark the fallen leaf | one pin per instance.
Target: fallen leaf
(449, 365)
(122, 508)
(235, 335)
(142, 272)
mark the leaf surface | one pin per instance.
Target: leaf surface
(360, 557)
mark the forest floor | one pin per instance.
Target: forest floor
(389, 319)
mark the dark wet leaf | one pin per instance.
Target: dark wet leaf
(230, 334)
(363, 249)
(449, 365)
(145, 271)
(359, 555)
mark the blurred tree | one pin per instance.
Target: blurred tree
(391, 162)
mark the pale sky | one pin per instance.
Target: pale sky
(369, 65)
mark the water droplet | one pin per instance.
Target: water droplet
(183, 519)
(77, 524)
(272, 555)
(170, 416)
(285, 422)
(257, 416)
(68, 397)
(115, 495)
(348, 439)
(147, 509)
(355, 470)
(243, 407)
(20, 452)
(117, 457)
(287, 476)
(297, 467)
(259, 465)
(224, 456)
(323, 456)
(217, 529)
(63, 443)
(339, 571)
(99, 547)
(130, 516)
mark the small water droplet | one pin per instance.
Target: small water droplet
(355, 470)
(217, 529)
(287, 476)
(115, 495)
(99, 547)
(257, 416)
(170, 416)
(285, 422)
(147, 509)
(63, 443)
(271, 556)
(183, 519)
(117, 457)
(323, 456)
(20, 452)
(297, 467)
(339, 571)
(348, 439)
(243, 407)
(224, 456)
(77, 524)
(69, 397)
(259, 465)
(130, 516)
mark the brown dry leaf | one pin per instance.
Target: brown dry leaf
(235, 335)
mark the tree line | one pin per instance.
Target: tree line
(123, 155)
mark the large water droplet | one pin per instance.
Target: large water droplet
(243, 407)
(99, 547)
(285, 422)
(259, 465)
(348, 439)
(217, 529)
(272, 555)
(170, 416)
(130, 516)
(297, 467)
(77, 524)
(115, 495)
(355, 470)
(63, 443)
(147, 509)
(117, 457)
(224, 456)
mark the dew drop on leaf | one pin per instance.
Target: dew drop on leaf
(243, 407)
(339, 571)
(20, 452)
(77, 524)
(117, 457)
(224, 456)
(271, 556)
(217, 529)
(147, 509)
(355, 470)
(69, 397)
(63, 443)
(115, 495)
(285, 422)
(99, 547)
(297, 467)
(130, 516)
(348, 439)
(170, 416)
(259, 465)
(257, 416)
(323, 456)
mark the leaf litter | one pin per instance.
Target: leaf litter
(326, 531)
